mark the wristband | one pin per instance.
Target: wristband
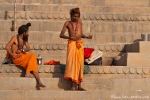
(23, 50)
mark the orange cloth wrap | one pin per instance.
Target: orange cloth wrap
(75, 61)
(27, 61)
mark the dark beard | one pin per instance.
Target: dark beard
(25, 38)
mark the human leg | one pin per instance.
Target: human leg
(30, 75)
(80, 88)
(29, 62)
(37, 77)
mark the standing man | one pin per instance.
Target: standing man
(75, 57)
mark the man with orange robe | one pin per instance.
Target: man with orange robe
(75, 58)
(17, 52)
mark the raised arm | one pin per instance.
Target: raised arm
(27, 49)
(84, 36)
(62, 34)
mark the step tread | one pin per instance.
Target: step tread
(96, 84)
(72, 95)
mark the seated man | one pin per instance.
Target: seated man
(16, 51)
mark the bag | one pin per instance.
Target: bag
(86, 68)
(88, 52)
(7, 61)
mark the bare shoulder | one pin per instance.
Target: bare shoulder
(14, 37)
(80, 22)
(66, 23)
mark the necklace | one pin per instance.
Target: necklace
(75, 29)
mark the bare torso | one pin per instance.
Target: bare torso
(71, 31)
(14, 46)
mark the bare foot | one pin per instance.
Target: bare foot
(81, 89)
(29, 75)
(72, 89)
(40, 85)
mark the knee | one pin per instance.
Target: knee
(33, 55)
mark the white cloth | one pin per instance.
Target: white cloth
(95, 55)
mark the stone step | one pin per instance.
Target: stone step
(73, 95)
(48, 31)
(60, 55)
(108, 3)
(109, 15)
(50, 37)
(34, 12)
(133, 59)
(62, 47)
(121, 3)
(56, 71)
(139, 47)
(90, 26)
(90, 84)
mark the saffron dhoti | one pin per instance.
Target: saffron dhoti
(75, 61)
(27, 61)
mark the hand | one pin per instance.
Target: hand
(89, 37)
(16, 56)
(18, 51)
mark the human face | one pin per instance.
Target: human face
(25, 36)
(75, 17)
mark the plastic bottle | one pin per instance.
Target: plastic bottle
(39, 60)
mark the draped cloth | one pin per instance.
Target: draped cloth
(75, 61)
(27, 61)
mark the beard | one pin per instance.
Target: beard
(25, 38)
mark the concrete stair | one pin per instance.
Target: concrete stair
(70, 95)
(55, 71)
(138, 47)
(137, 54)
(90, 84)
(101, 83)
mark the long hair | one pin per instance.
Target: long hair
(74, 11)
(23, 28)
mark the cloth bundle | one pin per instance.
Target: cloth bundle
(52, 62)
(93, 56)
(88, 52)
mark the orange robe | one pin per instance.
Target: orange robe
(75, 61)
(27, 61)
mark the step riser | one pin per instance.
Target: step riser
(90, 84)
(101, 76)
(95, 15)
(134, 59)
(126, 71)
(73, 95)
(140, 47)
(98, 27)
(107, 3)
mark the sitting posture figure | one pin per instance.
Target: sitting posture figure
(17, 52)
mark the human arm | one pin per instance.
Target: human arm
(84, 36)
(8, 47)
(62, 34)
(27, 49)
